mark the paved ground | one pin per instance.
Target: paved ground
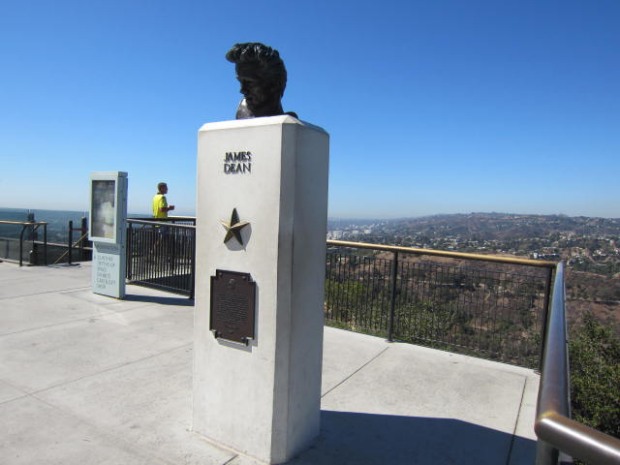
(85, 379)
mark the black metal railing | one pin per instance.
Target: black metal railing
(489, 306)
(25, 243)
(81, 246)
(556, 431)
(160, 253)
(25, 246)
(77, 248)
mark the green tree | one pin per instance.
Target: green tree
(595, 376)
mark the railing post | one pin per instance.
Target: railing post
(547, 305)
(21, 245)
(393, 298)
(129, 251)
(193, 263)
(45, 242)
(70, 240)
(175, 235)
(546, 454)
(83, 231)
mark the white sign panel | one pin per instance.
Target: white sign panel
(108, 276)
(108, 232)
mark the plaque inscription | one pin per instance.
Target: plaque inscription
(233, 303)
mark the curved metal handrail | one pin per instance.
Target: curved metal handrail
(553, 423)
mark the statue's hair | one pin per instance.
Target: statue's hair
(265, 58)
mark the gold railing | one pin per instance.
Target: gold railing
(554, 427)
(445, 253)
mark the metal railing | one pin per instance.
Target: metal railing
(13, 249)
(496, 310)
(481, 305)
(81, 245)
(43, 252)
(160, 253)
(554, 427)
(79, 250)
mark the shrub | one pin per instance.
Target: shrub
(594, 352)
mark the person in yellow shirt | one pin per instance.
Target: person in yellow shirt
(160, 203)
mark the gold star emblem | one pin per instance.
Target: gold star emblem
(234, 227)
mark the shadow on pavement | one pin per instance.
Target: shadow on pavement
(163, 300)
(365, 439)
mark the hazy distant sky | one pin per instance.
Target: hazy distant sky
(443, 106)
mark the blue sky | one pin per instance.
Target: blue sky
(444, 106)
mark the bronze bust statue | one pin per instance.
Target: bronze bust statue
(262, 76)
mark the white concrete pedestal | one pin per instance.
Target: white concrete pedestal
(262, 399)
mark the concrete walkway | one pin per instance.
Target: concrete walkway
(86, 379)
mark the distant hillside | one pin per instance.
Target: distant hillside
(589, 246)
(487, 226)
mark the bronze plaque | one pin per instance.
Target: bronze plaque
(233, 302)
